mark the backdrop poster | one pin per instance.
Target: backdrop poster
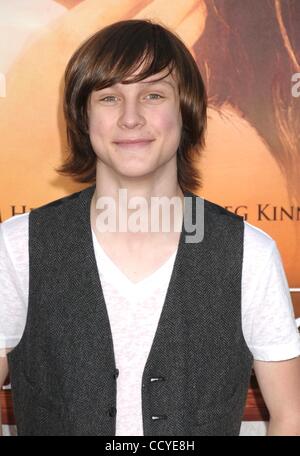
(248, 53)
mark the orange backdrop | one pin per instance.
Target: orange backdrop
(239, 166)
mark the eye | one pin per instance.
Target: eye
(155, 96)
(109, 98)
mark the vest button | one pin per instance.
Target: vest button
(157, 379)
(112, 411)
(116, 373)
(158, 417)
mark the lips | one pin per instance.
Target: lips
(133, 144)
(133, 141)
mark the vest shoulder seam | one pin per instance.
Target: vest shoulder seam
(65, 200)
(216, 208)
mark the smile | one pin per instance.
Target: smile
(133, 144)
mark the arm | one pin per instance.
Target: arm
(279, 382)
(3, 375)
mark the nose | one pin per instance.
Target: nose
(131, 115)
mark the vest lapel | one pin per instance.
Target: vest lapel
(91, 284)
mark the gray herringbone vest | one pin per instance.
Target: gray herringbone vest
(63, 371)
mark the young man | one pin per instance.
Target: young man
(122, 332)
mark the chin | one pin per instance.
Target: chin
(135, 171)
(134, 174)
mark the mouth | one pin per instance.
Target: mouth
(136, 143)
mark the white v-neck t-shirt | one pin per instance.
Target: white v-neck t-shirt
(268, 320)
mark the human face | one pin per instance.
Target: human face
(135, 128)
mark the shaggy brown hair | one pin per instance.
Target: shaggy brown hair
(109, 57)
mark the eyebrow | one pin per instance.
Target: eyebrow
(158, 81)
(152, 82)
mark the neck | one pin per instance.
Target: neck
(141, 215)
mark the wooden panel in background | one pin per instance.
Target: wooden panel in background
(296, 303)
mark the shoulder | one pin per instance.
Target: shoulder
(256, 240)
(214, 213)
(216, 209)
(15, 229)
(14, 242)
(61, 203)
(263, 269)
(258, 245)
(51, 218)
